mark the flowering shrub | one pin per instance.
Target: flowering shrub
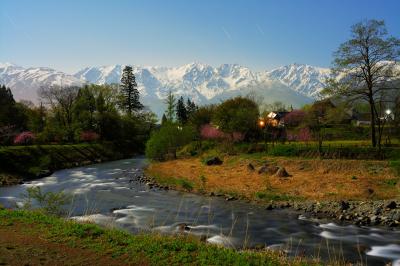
(294, 118)
(237, 136)
(89, 136)
(24, 138)
(304, 134)
(209, 132)
(291, 137)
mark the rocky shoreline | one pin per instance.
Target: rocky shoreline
(363, 213)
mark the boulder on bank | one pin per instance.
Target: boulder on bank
(282, 172)
(391, 205)
(44, 173)
(250, 167)
(213, 161)
(268, 169)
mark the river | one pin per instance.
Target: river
(106, 194)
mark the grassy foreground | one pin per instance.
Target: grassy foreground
(311, 179)
(35, 238)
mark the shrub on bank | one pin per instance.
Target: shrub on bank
(164, 143)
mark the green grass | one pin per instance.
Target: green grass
(395, 165)
(150, 248)
(272, 196)
(392, 182)
(174, 182)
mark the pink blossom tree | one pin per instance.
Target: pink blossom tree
(294, 118)
(89, 136)
(24, 138)
(209, 132)
(304, 134)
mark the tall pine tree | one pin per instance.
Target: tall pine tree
(164, 120)
(170, 101)
(129, 90)
(190, 107)
(7, 106)
(181, 112)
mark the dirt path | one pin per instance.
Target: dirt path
(17, 247)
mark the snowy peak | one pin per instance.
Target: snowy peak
(25, 82)
(305, 79)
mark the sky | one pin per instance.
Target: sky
(260, 34)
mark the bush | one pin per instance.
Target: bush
(164, 142)
(50, 202)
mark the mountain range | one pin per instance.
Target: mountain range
(295, 84)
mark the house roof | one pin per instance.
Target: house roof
(277, 115)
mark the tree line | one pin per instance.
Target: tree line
(72, 114)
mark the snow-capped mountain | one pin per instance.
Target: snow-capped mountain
(293, 84)
(24, 82)
(305, 79)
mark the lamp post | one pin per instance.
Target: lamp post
(388, 117)
(262, 124)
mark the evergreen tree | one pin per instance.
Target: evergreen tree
(181, 112)
(129, 90)
(170, 101)
(7, 106)
(190, 107)
(164, 119)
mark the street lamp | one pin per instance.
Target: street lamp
(388, 117)
(262, 124)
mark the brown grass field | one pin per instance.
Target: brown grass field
(310, 179)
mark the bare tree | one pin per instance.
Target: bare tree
(365, 67)
(61, 100)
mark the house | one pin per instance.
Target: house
(276, 119)
(362, 119)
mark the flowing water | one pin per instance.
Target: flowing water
(106, 194)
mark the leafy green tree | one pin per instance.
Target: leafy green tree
(316, 120)
(130, 92)
(237, 115)
(164, 142)
(84, 109)
(202, 116)
(181, 112)
(61, 100)
(366, 64)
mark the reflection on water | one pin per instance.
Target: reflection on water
(105, 194)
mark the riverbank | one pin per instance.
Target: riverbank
(20, 163)
(357, 191)
(34, 238)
